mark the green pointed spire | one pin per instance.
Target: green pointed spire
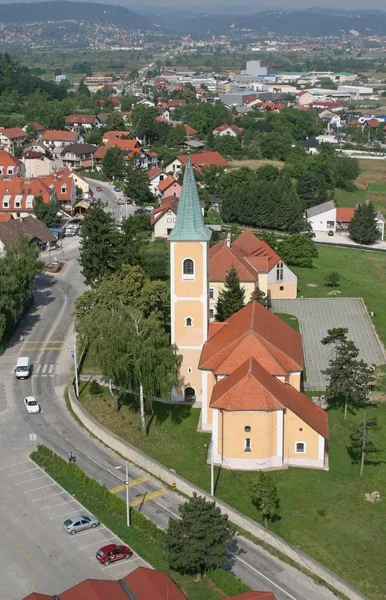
(190, 226)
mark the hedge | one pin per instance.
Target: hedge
(143, 536)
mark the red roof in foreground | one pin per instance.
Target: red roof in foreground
(254, 596)
(152, 585)
(344, 214)
(95, 589)
(252, 246)
(253, 332)
(35, 596)
(251, 388)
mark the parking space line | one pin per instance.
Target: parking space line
(59, 504)
(120, 488)
(118, 563)
(99, 542)
(91, 530)
(66, 514)
(44, 497)
(23, 462)
(39, 488)
(32, 479)
(26, 471)
(147, 497)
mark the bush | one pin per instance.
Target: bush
(230, 585)
(95, 388)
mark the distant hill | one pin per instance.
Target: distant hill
(78, 11)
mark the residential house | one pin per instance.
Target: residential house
(199, 161)
(9, 165)
(329, 117)
(85, 122)
(79, 180)
(155, 176)
(11, 138)
(327, 217)
(78, 155)
(304, 98)
(65, 190)
(17, 195)
(231, 130)
(246, 371)
(131, 149)
(38, 146)
(163, 217)
(190, 131)
(55, 140)
(257, 266)
(115, 135)
(141, 584)
(37, 164)
(310, 145)
(39, 129)
(169, 187)
(32, 228)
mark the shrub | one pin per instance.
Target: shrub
(95, 388)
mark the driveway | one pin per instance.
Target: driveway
(316, 316)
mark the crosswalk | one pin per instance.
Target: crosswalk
(41, 370)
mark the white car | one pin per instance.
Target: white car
(31, 405)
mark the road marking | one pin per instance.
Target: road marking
(264, 577)
(44, 497)
(59, 504)
(119, 563)
(39, 488)
(32, 479)
(26, 471)
(37, 369)
(168, 509)
(132, 483)
(73, 538)
(147, 497)
(44, 369)
(99, 542)
(51, 368)
(23, 462)
(66, 514)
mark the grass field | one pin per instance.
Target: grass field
(349, 199)
(290, 320)
(255, 164)
(323, 513)
(377, 187)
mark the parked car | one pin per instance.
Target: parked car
(121, 200)
(80, 523)
(330, 232)
(116, 188)
(140, 211)
(31, 405)
(99, 188)
(112, 553)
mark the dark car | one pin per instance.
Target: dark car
(112, 553)
(116, 188)
(330, 232)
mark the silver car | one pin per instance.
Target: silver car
(80, 523)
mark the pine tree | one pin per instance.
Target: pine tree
(264, 496)
(113, 164)
(363, 227)
(198, 540)
(231, 298)
(362, 442)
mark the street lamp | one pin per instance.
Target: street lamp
(127, 495)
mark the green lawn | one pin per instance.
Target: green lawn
(363, 275)
(290, 320)
(377, 187)
(323, 513)
(349, 199)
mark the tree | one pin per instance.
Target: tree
(350, 378)
(276, 147)
(229, 146)
(115, 122)
(99, 245)
(144, 124)
(126, 102)
(333, 278)
(137, 184)
(346, 171)
(259, 296)
(264, 496)
(113, 164)
(363, 227)
(312, 188)
(94, 136)
(231, 298)
(361, 441)
(176, 136)
(197, 542)
(47, 212)
(298, 250)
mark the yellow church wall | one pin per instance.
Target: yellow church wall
(185, 335)
(190, 359)
(289, 290)
(296, 430)
(262, 282)
(294, 379)
(263, 434)
(189, 288)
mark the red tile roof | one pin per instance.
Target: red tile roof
(253, 332)
(58, 183)
(148, 584)
(95, 589)
(372, 123)
(344, 214)
(154, 172)
(56, 135)
(5, 217)
(328, 104)
(225, 127)
(100, 152)
(166, 183)
(19, 190)
(204, 159)
(8, 160)
(251, 245)
(113, 134)
(12, 133)
(37, 126)
(168, 203)
(130, 145)
(88, 119)
(222, 259)
(189, 130)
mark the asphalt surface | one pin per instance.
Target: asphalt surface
(34, 543)
(109, 196)
(316, 316)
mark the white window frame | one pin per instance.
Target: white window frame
(17, 203)
(280, 271)
(188, 276)
(248, 448)
(29, 203)
(63, 189)
(6, 203)
(191, 322)
(300, 451)
(211, 293)
(10, 170)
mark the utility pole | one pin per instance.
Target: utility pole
(76, 373)
(212, 467)
(364, 431)
(127, 496)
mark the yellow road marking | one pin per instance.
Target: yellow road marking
(120, 488)
(147, 497)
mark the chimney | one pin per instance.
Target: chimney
(229, 240)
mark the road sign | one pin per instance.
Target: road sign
(32, 437)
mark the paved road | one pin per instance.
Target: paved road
(316, 316)
(109, 196)
(48, 333)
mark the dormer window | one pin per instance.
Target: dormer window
(63, 189)
(10, 171)
(188, 269)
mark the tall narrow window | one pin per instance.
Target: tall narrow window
(279, 271)
(247, 445)
(211, 293)
(188, 322)
(188, 269)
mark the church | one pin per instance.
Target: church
(245, 372)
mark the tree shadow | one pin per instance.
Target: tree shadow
(355, 459)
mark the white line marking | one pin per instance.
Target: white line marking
(52, 375)
(52, 367)
(37, 369)
(264, 577)
(44, 369)
(23, 462)
(43, 375)
(44, 497)
(99, 542)
(26, 471)
(91, 530)
(66, 514)
(59, 504)
(32, 479)
(171, 512)
(39, 488)
(100, 465)
(120, 563)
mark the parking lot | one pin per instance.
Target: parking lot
(33, 537)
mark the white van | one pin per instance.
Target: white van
(23, 367)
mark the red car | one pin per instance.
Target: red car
(112, 553)
(99, 188)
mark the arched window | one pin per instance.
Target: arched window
(189, 393)
(279, 271)
(188, 269)
(188, 322)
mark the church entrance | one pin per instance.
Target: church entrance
(189, 394)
